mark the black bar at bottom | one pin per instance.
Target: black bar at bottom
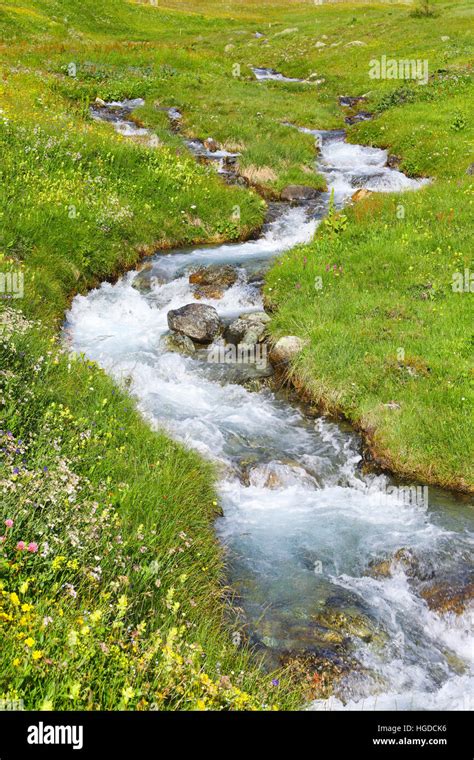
(127, 734)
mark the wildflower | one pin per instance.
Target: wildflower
(16, 662)
(29, 642)
(14, 599)
(122, 604)
(37, 654)
(57, 562)
(74, 691)
(9, 523)
(46, 705)
(32, 547)
(26, 607)
(21, 546)
(275, 682)
(47, 620)
(127, 694)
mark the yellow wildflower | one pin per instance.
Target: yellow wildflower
(127, 693)
(122, 604)
(57, 562)
(74, 690)
(37, 654)
(14, 599)
(29, 642)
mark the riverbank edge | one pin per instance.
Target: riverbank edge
(375, 456)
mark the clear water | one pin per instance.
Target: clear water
(301, 524)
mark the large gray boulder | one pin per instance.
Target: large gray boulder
(297, 193)
(198, 321)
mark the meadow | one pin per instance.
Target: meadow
(111, 578)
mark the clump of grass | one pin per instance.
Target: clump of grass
(424, 9)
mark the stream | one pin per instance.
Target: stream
(342, 569)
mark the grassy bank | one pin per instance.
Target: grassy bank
(110, 573)
(388, 327)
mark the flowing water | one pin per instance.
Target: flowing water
(302, 526)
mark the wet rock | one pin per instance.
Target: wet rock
(320, 671)
(198, 321)
(393, 161)
(285, 349)
(213, 281)
(275, 211)
(99, 102)
(210, 144)
(349, 102)
(215, 275)
(297, 193)
(148, 278)
(257, 277)
(211, 292)
(276, 475)
(451, 595)
(350, 624)
(359, 195)
(179, 343)
(412, 566)
(248, 329)
(358, 117)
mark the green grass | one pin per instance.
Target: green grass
(80, 204)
